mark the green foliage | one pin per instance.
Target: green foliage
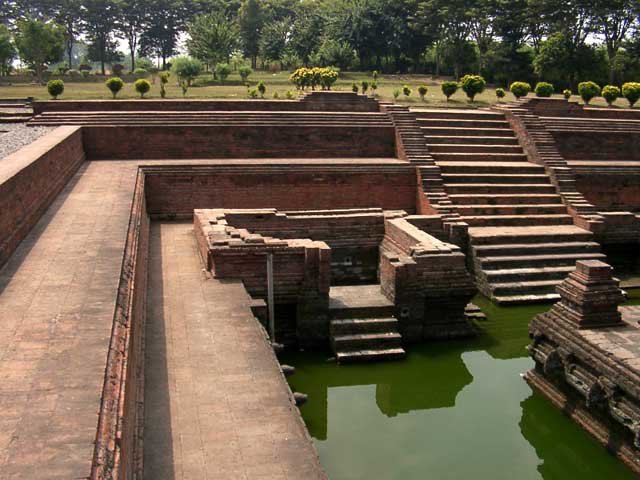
(39, 44)
(252, 93)
(374, 87)
(140, 73)
(365, 86)
(567, 94)
(7, 50)
(212, 38)
(223, 70)
(422, 91)
(610, 93)
(276, 96)
(449, 88)
(262, 88)
(355, 88)
(328, 76)
(145, 64)
(114, 84)
(544, 89)
(164, 79)
(520, 89)
(374, 75)
(396, 94)
(406, 90)
(500, 93)
(142, 86)
(334, 53)
(472, 85)
(186, 69)
(631, 91)
(290, 95)
(588, 91)
(55, 88)
(245, 71)
(304, 78)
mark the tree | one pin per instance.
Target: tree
(212, 38)
(273, 40)
(39, 44)
(333, 53)
(186, 69)
(306, 31)
(251, 20)
(132, 20)
(7, 51)
(613, 20)
(160, 38)
(101, 16)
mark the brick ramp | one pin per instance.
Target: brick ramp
(522, 238)
(216, 403)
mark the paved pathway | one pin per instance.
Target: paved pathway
(217, 406)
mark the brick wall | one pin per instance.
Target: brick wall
(30, 179)
(179, 142)
(180, 190)
(610, 190)
(597, 145)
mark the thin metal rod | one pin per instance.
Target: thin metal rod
(270, 301)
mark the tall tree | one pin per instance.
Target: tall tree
(250, 18)
(273, 41)
(100, 17)
(7, 51)
(132, 20)
(613, 20)
(212, 38)
(39, 44)
(160, 39)
(306, 30)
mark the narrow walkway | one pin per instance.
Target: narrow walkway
(217, 406)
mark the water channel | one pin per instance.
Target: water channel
(450, 411)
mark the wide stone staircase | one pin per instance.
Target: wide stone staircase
(522, 239)
(15, 110)
(362, 326)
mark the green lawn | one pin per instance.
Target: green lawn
(275, 82)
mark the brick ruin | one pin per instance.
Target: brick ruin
(587, 359)
(379, 217)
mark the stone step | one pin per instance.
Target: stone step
(471, 140)
(462, 122)
(359, 301)
(456, 113)
(467, 132)
(535, 248)
(516, 220)
(362, 356)
(505, 199)
(473, 148)
(496, 178)
(527, 274)
(525, 261)
(526, 299)
(510, 188)
(529, 235)
(525, 287)
(494, 168)
(479, 157)
(510, 209)
(366, 341)
(350, 326)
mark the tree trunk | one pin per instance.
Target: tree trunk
(254, 61)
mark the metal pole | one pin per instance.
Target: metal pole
(270, 301)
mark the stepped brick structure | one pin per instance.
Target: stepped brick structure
(588, 360)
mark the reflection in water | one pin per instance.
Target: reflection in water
(450, 411)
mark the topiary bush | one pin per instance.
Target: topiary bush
(252, 93)
(449, 88)
(406, 91)
(610, 93)
(544, 89)
(355, 88)
(365, 86)
(631, 91)
(472, 85)
(567, 94)
(520, 89)
(374, 87)
(422, 91)
(500, 93)
(245, 71)
(55, 88)
(223, 70)
(396, 94)
(114, 84)
(164, 79)
(262, 88)
(328, 76)
(140, 73)
(289, 95)
(588, 91)
(142, 86)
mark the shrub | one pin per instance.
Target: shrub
(374, 87)
(142, 86)
(245, 71)
(275, 95)
(406, 90)
(544, 89)
(631, 91)
(396, 93)
(355, 88)
(365, 86)
(588, 91)
(312, 77)
(55, 88)
(520, 89)
(117, 69)
(140, 73)
(186, 69)
(289, 95)
(374, 75)
(567, 94)
(449, 88)
(262, 88)
(223, 70)
(472, 85)
(328, 76)
(610, 93)
(500, 93)
(422, 91)
(85, 73)
(164, 79)
(114, 84)
(252, 93)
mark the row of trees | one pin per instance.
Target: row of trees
(504, 40)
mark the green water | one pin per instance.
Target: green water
(450, 411)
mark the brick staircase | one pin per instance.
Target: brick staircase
(15, 110)
(522, 239)
(362, 326)
(213, 118)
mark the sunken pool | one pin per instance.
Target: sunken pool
(451, 410)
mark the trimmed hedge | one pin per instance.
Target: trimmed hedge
(449, 88)
(472, 85)
(610, 93)
(631, 91)
(520, 89)
(544, 89)
(588, 91)
(142, 86)
(114, 84)
(55, 88)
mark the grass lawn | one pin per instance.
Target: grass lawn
(233, 88)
